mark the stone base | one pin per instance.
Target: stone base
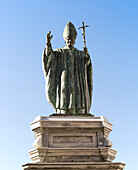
(74, 166)
(72, 155)
(72, 143)
(71, 139)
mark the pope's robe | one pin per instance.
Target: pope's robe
(67, 79)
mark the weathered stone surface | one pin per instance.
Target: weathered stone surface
(52, 155)
(49, 130)
(74, 166)
(70, 142)
(72, 139)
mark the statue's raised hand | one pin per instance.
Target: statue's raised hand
(49, 37)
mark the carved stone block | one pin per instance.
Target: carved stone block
(74, 166)
(71, 139)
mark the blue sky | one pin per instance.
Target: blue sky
(112, 41)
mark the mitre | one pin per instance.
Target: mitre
(69, 31)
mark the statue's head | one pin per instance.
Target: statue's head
(69, 34)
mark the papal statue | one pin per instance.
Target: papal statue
(68, 74)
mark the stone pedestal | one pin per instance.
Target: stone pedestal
(72, 142)
(74, 166)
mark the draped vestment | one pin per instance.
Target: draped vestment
(66, 82)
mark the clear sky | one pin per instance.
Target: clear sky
(112, 41)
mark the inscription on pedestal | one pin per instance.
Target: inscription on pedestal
(73, 139)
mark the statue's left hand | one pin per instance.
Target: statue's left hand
(85, 50)
(86, 53)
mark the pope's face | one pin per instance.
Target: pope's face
(69, 42)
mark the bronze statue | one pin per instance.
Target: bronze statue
(68, 74)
